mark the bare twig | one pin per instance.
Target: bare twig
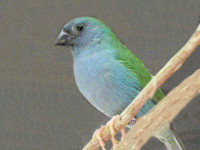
(162, 113)
(173, 65)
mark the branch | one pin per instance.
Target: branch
(164, 112)
(173, 65)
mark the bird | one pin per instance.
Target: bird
(107, 74)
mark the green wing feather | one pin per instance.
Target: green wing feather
(131, 62)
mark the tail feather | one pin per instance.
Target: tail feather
(169, 138)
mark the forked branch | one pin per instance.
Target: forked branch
(164, 112)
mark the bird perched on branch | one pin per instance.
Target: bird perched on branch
(107, 73)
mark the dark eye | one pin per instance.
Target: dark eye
(80, 27)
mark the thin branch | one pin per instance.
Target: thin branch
(164, 112)
(173, 65)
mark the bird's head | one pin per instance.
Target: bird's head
(84, 32)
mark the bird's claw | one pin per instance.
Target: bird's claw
(98, 134)
(112, 130)
(110, 124)
(123, 134)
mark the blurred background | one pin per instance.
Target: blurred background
(40, 105)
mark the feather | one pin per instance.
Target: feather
(132, 63)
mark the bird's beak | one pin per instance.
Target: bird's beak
(64, 39)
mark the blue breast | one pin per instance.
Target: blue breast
(106, 83)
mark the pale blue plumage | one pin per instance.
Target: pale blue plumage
(101, 77)
(106, 83)
(106, 72)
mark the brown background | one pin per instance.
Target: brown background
(40, 105)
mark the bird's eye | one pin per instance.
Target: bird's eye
(80, 27)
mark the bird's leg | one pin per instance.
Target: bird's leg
(98, 134)
(112, 130)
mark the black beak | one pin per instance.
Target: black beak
(64, 39)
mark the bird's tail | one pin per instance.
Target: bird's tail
(169, 138)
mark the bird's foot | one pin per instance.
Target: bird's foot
(98, 134)
(133, 121)
(112, 130)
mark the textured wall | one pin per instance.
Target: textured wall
(40, 105)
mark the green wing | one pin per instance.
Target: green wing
(131, 62)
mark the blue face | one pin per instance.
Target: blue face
(81, 32)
